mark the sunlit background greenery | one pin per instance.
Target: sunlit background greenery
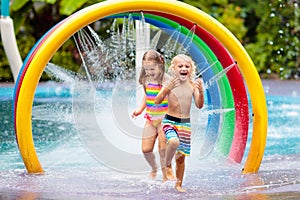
(268, 29)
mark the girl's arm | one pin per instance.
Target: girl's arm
(139, 111)
(198, 93)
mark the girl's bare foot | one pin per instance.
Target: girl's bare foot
(153, 174)
(179, 188)
(164, 179)
(169, 173)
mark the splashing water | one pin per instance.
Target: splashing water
(105, 89)
(114, 52)
(218, 76)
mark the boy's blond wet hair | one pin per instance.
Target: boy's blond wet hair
(187, 59)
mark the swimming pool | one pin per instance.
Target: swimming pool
(71, 172)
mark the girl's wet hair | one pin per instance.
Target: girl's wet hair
(156, 58)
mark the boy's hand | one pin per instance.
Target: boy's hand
(198, 93)
(173, 83)
(198, 84)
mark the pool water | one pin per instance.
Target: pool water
(72, 172)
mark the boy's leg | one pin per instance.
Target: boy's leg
(180, 166)
(172, 145)
(171, 150)
(162, 155)
(167, 172)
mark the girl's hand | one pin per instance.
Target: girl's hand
(135, 114)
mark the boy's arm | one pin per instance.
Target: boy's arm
(165, 90)
(198, 93)
(161, 95)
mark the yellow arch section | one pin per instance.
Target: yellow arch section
(95, 12)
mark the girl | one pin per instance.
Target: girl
(152, 77)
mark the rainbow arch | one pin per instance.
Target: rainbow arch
(217, 43)
(214, 50)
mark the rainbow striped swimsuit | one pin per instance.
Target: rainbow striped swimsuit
(154, 111)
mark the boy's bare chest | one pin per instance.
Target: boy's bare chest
(183, 93)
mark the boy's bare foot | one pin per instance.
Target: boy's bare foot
(153, 174)
(179, 188)
(169, 173)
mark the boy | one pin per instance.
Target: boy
(176, 124)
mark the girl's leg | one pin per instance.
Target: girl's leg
(180, 166)
(148, 141)
(162, 151)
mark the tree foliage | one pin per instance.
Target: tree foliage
(275, 49)
(269, 30)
